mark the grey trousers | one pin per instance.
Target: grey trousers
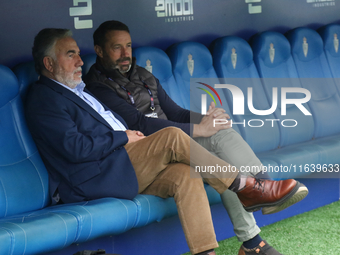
(228, 145)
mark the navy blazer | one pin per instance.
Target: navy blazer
(84, 156)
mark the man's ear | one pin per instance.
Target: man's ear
(99, 51)
(48, 63)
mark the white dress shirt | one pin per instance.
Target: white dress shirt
(93, 102)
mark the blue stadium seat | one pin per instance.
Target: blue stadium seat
(233, 62)
(278, 70)
(330, 35)
(223, 51)
(24, 181)
(272, 57)
(158, 63)
(89, 60)
(18, 154)
(192, 63)
(311, 62)
(307, 51)
(26, 74)
(315, 75)
(100, 217)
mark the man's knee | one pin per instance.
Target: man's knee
(174, 132)
(227, 135)
(226, 131)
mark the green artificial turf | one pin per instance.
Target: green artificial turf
(316, 232)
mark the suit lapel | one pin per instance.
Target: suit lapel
(74, 98)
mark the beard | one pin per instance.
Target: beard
(123, 68)
(110, 65)
(67, 78)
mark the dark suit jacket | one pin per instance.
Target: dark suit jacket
(84, 156)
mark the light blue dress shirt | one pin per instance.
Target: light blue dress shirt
(90, 100)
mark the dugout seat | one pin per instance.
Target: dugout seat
(192, 68)
(315, 75)
(330, 36)
(276, 67)
(233, 62)
(157, 62)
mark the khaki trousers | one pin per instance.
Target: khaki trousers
(162, 165)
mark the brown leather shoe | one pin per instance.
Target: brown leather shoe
(273, 196)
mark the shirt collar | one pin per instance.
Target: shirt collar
(77, 90)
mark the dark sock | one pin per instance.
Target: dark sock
(252, 243)
(263, 175)
(205, 252)
(238, 183)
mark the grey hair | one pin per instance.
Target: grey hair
(44, 44)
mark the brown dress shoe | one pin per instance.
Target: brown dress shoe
(273, 196)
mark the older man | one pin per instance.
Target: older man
(89, 152)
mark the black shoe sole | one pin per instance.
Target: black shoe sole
(299, 192)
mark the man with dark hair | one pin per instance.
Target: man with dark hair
(136, 95)
(89, 152)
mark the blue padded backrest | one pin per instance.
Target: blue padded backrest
(272, 56)
(23, 177)
(325, 102)
(330, 35)
(308, 54)
(89, 60)
(281, 64)
(180, 55)
(26, 75)
(224, 48)
(158, 63)
(202, 66)
(233, 62)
